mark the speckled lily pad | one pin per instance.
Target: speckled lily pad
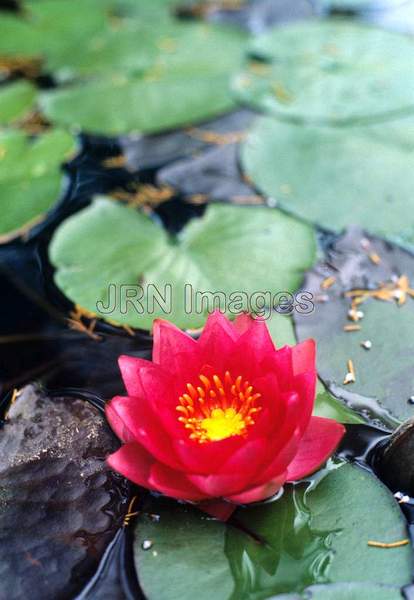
(329, 71)
(384, 318)
(187, 82)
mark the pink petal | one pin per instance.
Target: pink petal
(319, 442)
(282, 457)
(117, 424)
(216, 486)
(260, 492)
(173, 483)
(247, 459)
(134, 418)
(217, 342)
(280, 363)
(303, 357)
(205, 459)
(217, 321)
(258, 338)
(243, 322)
(133, 462)
(305, 385)
(250, 350)
(130, 368)
(173, 349)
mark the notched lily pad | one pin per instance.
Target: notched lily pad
(30, 176)
(328, 71)
(165, 273)
(367, 170)
(364, 313)
(59, 504)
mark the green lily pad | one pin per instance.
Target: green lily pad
(336, 177)
(30, 176)
(108, 243)
(78, 38)
(345, 591)
(314, 533)
(16, 100)
(81, 37)
(383, 371)
(312, 537)
(186, 559)
(48, 28)
(18, 37)
(99, 106)
(330, 71)
(150, 11)
(187, 82)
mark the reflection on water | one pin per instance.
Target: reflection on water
(294, 552)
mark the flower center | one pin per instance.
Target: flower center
(218, 408)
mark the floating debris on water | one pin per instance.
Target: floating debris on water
(374, 258)
(350, 376)
(146, 544)
(355, 315)
(328, 282)
(352, 327)
(402, 498)
(388, 545)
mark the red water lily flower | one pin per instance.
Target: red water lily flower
(226, 416)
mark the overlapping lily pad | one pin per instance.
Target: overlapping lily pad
(30, 176)
(329, 71)
(60, 506)
(100, 106)
(307, 536)
(16, 101)
(76, 37)
(377, 277)
(187, 82)
(336, 177)
(108, 243)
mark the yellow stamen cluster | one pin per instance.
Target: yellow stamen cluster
(218, 408)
